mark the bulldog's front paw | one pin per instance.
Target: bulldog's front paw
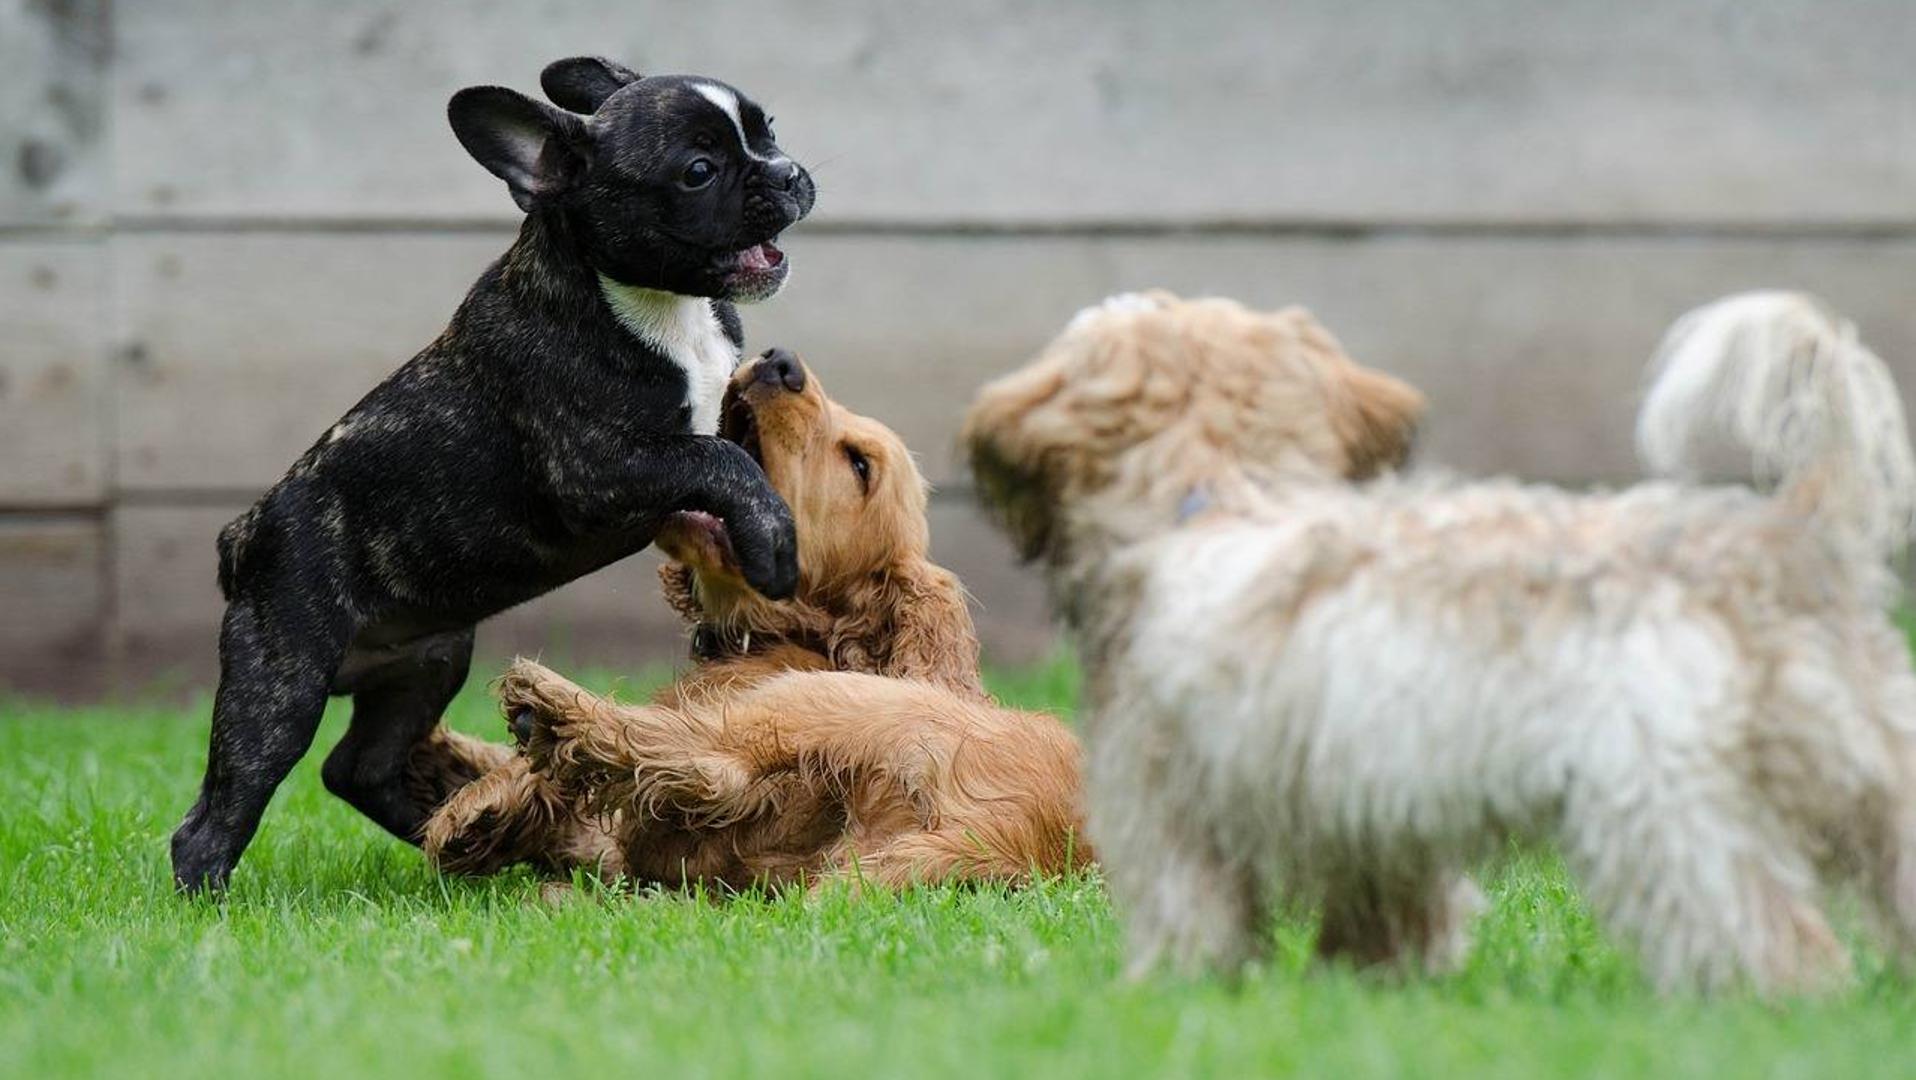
(767, 546)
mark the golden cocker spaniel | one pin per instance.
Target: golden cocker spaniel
(843, 734)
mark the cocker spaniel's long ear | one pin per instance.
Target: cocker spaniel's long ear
(914, 625)
(1377, 422)
(933, 637)
(676, 581)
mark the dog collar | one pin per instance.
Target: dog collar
(1195, 502)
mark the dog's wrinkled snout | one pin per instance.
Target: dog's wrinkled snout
(779, 195)
(780, 367)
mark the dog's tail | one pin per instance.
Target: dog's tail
(1774, 390)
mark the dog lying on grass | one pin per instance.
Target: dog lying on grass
(842, 734)
(1301, 684)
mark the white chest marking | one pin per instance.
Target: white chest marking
(728, 104)
(685, 331)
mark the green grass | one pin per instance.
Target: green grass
(339, 953)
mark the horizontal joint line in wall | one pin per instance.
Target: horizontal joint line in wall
(31, 514)
(1116, 228)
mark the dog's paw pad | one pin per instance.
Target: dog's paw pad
(519, 722)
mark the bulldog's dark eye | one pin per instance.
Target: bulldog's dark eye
(698, 174)
(861, 467)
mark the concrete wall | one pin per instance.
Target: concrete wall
(221, 222)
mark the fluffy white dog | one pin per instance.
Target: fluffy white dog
(1302, 682)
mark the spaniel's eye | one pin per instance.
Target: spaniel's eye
(860, 466)
(699, 173)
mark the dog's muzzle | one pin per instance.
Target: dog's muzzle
(780, 367)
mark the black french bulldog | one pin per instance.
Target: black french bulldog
(569, 408)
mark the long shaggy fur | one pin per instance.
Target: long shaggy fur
(1773, 390)
(812, 776)
(842, 734)
(1346, 693)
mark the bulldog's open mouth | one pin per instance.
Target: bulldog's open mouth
(759, 258)
(756, 272)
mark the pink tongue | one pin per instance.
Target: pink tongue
(755, 258)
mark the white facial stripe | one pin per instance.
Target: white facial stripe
(728, 104)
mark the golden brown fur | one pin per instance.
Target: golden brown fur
(843, 733)
(805, 776)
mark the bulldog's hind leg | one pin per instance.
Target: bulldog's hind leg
(446, 761)
(277, 659)
(397, 702)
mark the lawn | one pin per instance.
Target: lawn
(340, 953)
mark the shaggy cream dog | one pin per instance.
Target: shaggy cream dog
(1299, 685)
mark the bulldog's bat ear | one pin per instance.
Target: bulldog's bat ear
(539, 151)
(582, 83)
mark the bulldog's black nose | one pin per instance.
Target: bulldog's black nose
(780, 367)
(782, 173)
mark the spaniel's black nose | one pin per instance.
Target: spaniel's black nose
(781, 367)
